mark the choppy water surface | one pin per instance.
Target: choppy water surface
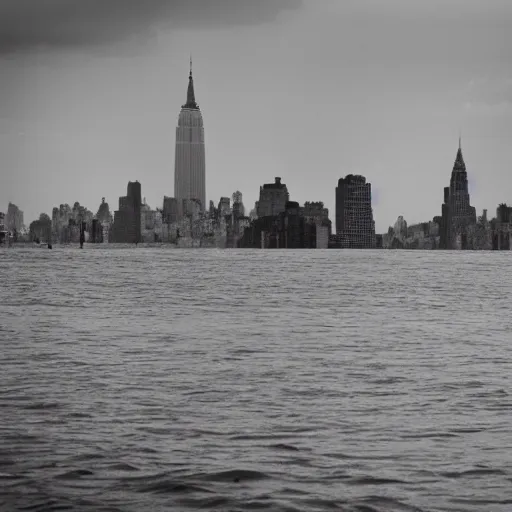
(157, 379)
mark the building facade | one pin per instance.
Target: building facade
(238, 204)
(68, 222)
(189, 164)
(295, 227)
(315, 213)
(127, 220)
(273, 199)
(14, 219)
(4, 234)
(355, 227)
(501, 228)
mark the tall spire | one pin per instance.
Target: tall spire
(191, 97)
(459, 160)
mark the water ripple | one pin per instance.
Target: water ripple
(355, 381)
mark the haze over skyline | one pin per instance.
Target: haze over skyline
(307, 90)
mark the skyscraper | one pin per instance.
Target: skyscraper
(355, 227)
(458, 216)
(189, 164)
(127, 220)
(273, 199)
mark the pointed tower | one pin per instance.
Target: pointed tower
(189, 163)
(191, 97)
(458, 214)
(459, 179)
(459, 160)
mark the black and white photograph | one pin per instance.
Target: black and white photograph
(255, 255)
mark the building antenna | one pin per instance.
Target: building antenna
(190, 64)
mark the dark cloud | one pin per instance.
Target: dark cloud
(29, 23)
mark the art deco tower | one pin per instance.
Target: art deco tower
(457, 213)
(461, 209)
(189, 164)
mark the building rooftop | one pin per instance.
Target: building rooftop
(277, 184)
(352, 178)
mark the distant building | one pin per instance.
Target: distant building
(224, 206)
(62, 218)
(238, 205)
(189, 165)
(4, 233)
(273, 199)
(501, 228)
(355, 227)
(253, 214)
(315, 213)
(295, 227)
(423, 236)
(171, 210)
(291, 230)
(192, 208)
(127, 220)
(400, 228)
(101, 224)
(148, 224)
(103, 215)
(14, 219)
(67, 223)
(40, 230)
(458, 216)
(96, 234)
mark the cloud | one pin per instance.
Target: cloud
(26, 24)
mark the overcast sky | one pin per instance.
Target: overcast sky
(309, 90)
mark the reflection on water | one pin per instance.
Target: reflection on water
(156, 379)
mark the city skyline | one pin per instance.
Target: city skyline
(92, 112)
(458, 190)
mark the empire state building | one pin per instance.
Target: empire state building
(189, 164)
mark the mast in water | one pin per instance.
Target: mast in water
(82, 233)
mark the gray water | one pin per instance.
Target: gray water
(158, 379)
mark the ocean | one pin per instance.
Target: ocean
(228, 380)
